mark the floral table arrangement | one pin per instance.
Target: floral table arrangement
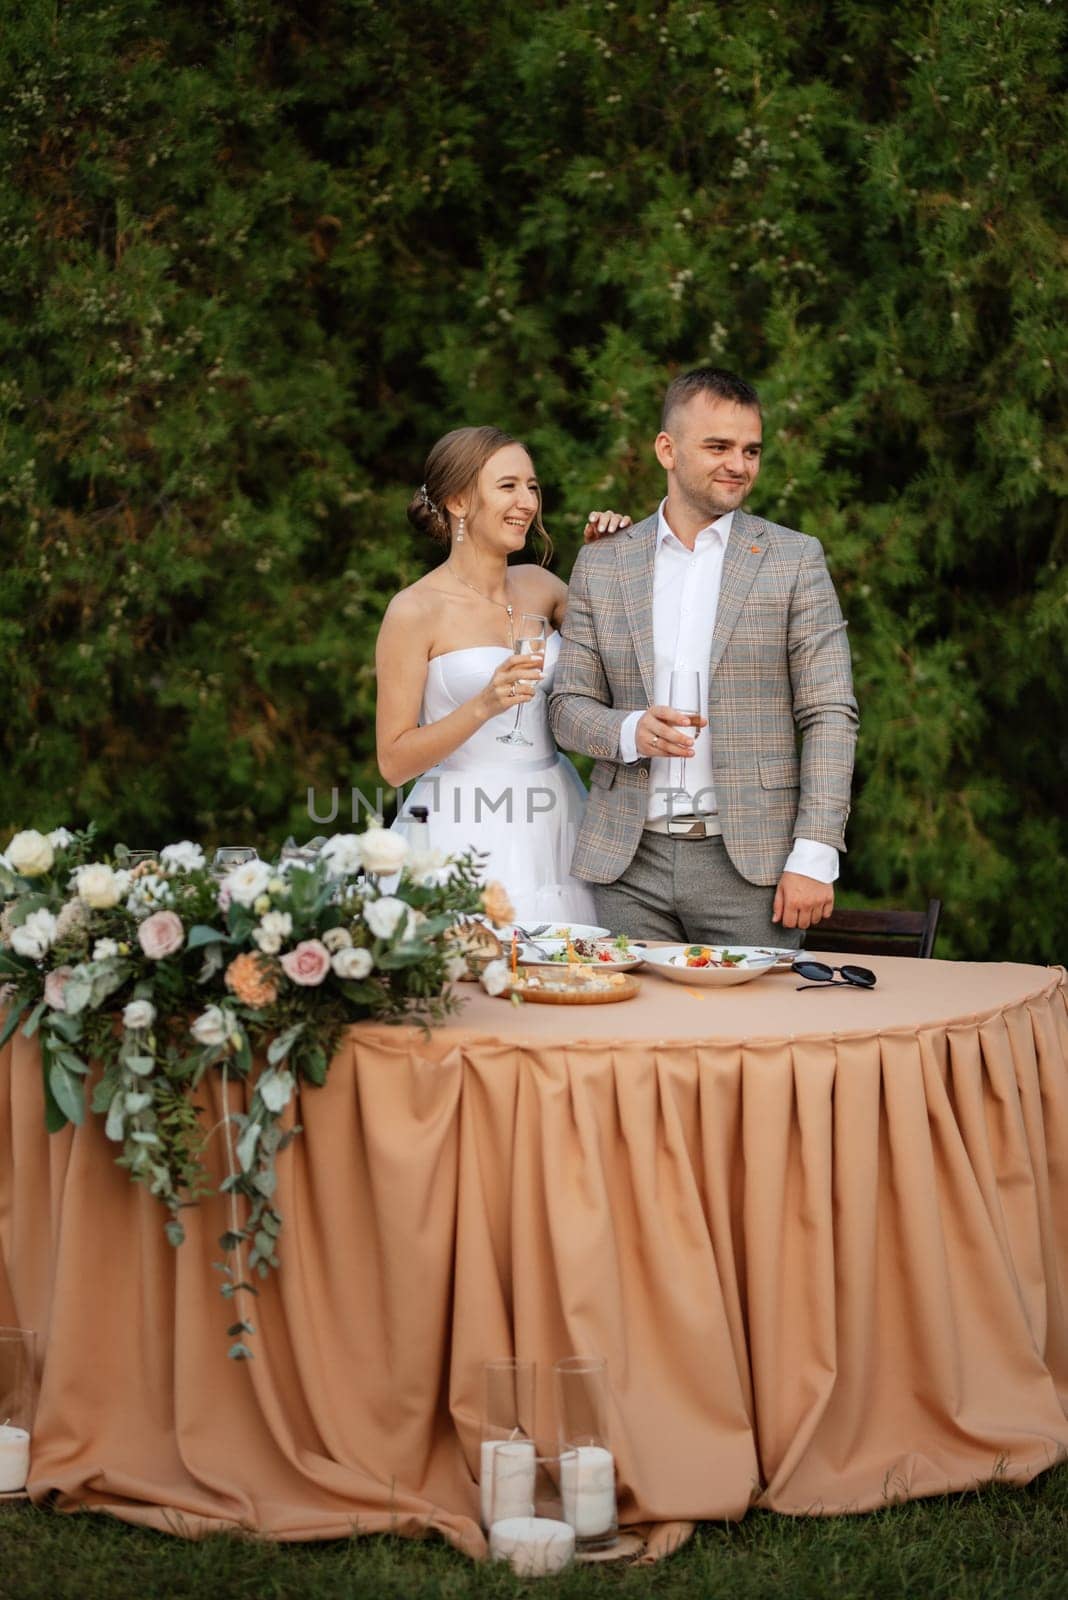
(160, 971)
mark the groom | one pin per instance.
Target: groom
(745, 849)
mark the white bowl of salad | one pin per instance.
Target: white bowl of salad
(710, 965)
(618, 954)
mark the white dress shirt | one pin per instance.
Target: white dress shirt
(685, 601)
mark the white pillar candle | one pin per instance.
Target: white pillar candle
(534, 1547)
(14, 1457)
(588, 1487)
(514, 1479)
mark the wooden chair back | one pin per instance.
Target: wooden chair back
(878, 933)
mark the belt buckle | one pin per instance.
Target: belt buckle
(685, 828)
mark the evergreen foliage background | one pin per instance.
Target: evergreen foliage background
(255, 257)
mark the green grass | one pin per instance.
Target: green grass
(994, 1544)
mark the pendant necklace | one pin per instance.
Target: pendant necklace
(503, 605)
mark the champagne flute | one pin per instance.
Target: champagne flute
(530, 641)
(685, 695)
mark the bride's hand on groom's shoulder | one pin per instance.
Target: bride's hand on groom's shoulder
(600, 524)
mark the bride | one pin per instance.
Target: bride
(459, 704)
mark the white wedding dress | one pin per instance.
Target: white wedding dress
(521, 803)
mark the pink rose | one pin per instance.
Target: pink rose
(161, 934)
(55, 984)
(307, 963)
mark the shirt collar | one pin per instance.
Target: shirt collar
(721, 527)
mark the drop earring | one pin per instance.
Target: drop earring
(460, 530)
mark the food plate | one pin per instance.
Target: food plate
(595, 990)
(668, 961)
(621, 960)
(555, 930)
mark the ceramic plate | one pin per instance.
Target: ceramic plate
(667, 961)
(558, 930)
(535, 955)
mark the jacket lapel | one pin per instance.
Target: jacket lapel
(744, 553)
(634, 554)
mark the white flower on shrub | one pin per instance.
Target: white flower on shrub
(274, 927)
(71, 918)
(139, 1014)
(352, 963)
(60, 838)
(342, 855)
(35, 936)
(496, 977)
(105, 949)
(183, 857)
(248, 881)
(426, 866)
(383, 850)
(98, 886)
(384, 916)
(213, 1026)
(275, 1087)
(30, 854)
(148, 894)
(455, 967)
(337, 939)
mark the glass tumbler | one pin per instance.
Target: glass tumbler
(588, 1476)
(508, 1396)
(18, 1402)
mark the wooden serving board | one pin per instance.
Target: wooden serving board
(593, 996)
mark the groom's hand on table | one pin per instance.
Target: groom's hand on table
(600, 524)
(665, 732)
(801, 902)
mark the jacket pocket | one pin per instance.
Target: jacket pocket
(779, 772)
(604, 774)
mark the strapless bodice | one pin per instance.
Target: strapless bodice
(455, 676)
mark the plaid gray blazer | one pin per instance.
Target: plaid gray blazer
(779, 668)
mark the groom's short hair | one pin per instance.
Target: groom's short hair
(716, 381)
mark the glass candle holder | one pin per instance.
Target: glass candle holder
(18, 1402)
(527, 1527)
(508, 1397)
(588, 1478)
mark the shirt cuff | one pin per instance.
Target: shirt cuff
(628, 737)
(812, 860)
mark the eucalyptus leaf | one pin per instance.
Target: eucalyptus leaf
(12, 1021)
(141, 1065)
(202, 934)
(68, 1090)
(55, 1116)
(68, 1028)
(175, 1232)
(33, 1019)
(115, 1127)
(281, 1045)
(77, 991)
(246, 1146)
(239, 1352)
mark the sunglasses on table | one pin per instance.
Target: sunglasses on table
(819, 974)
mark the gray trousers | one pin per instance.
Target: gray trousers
(689, 892)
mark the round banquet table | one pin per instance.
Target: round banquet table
(821, 1238)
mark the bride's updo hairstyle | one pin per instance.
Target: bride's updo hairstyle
(452, 469)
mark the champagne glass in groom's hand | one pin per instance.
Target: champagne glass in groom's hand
(685, 695)
(530, 641)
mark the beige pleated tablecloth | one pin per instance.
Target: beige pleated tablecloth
(821, 1238)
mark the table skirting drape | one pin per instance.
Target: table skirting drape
(827, 1268)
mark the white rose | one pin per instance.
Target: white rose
(343, 855)
(349, 963)
(274, 927)
(383, 916)
(105, 949)
(35, 935)
(59, 838)
(248, 881)
(139, 1014)
(184, 857)
(337, 939)
(383, 850)
(425, 865)
(212, 1026)
(496, 977)
(98, 886)
(30, 854)
(455, 967)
